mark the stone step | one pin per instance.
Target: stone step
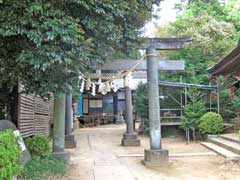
(229, 145)
(231, 137)
(229, 155)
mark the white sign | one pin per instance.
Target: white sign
(20, 140)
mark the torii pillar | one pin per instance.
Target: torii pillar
(59, 127)
(130, 138)
(156, 156)
(69, 137)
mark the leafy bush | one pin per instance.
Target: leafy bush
(42, 168)
(211, 123)
(10, 155)
(141, 105)
(38, 145)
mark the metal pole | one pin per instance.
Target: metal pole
(181, 105)
(210, 106)
(153, 99)
(218, 101)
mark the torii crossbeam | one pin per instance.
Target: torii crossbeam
(124, 64)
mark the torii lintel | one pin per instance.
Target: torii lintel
(165, 43)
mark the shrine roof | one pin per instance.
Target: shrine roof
(229, 64)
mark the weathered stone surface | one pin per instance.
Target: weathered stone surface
(65, 156)
(120, 119)
(70, 141)
(59, 122)
(131, 142)
(68, 113)
(123, 64)
(157, 157)
(165, 43)
(130, 136)
(153, 100)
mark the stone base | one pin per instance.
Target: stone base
(156, 157)
(65, 156)
(70, 141)
(130, 140)
(120, 120)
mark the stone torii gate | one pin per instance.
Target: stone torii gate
(155, 156)
(130, 137)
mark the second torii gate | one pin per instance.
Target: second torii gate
(130, 137)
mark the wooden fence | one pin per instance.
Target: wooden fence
(35, 115)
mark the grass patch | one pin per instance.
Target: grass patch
(42, 168)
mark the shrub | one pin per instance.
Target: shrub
(38, 145)
(10, 156)
(211, 123)
(43, 168)
(193, 110)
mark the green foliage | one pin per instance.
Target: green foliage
(141, 103)
(229, 106)
(38, 145)
(10, 156)
(43, 168)
(215, 30)
(193, 110)
(45, 43)
(141, 100)
(211, 123)
(214, 35)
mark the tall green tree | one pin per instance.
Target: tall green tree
(44, 43)
(215, 31)
(214, 35)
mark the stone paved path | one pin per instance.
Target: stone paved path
(99, 156)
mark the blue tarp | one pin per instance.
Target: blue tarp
(80, 105)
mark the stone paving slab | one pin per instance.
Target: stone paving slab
(173, 154)
(231, 137)
(232, 146)
(221, 151)
(97, 158)
(112, 173)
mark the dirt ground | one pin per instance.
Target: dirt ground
(99, 156)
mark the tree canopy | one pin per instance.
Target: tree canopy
(45, 43)
(215, 31)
